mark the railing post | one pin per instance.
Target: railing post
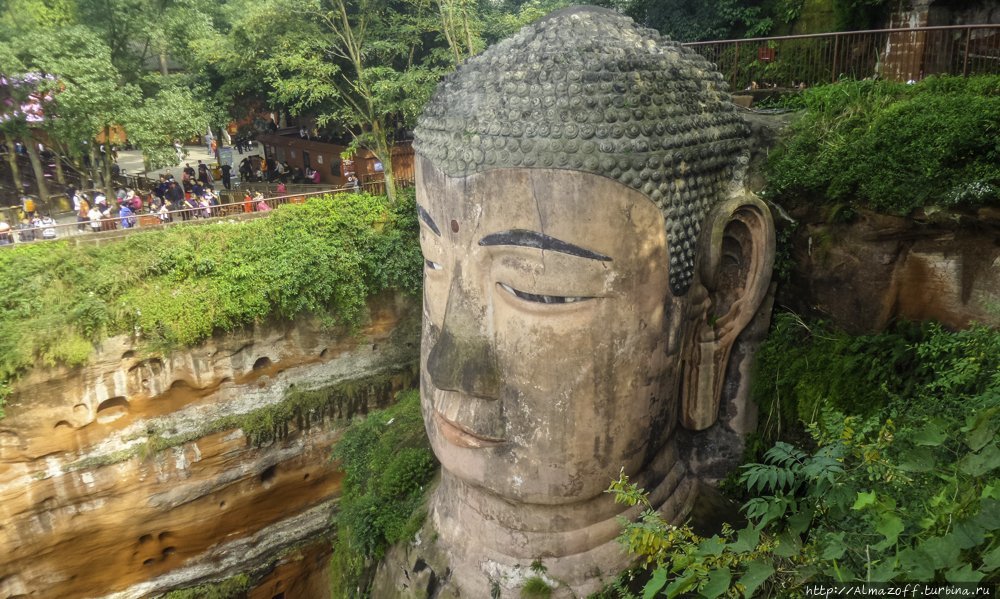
(965, 60)
(736, 66)
(836, 49)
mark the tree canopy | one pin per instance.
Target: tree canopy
(358, 69)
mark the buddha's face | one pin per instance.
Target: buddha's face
(550, 334)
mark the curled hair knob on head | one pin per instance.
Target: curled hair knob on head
(607, 68)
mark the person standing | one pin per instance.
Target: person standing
(226, 175)
(28, 205)
(95, 218)
(126, 215)
(175, 196)
(82, 208)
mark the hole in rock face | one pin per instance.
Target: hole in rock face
(164, 535)
(262, 363)
(80, 409)
(180, 384)
(168, 551)
(279, 596)
(306, 477)
(323, 353)
(112, 409)
(128, 354)
(149, 562)
(145, 538)
(268, 474)
(63, 424)
(222, 505)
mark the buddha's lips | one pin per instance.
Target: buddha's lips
(456, 434)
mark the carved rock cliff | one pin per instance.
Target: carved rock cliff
(139, 473)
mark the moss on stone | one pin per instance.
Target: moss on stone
(230, 588)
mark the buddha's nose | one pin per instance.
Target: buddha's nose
(463, 358)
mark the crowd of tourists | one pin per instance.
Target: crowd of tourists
(193, 197)
(258, 168)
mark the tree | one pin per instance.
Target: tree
(367, 66)
(153, 125)
(10, 122)
(458, 20)
(88, 95)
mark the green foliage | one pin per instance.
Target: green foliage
(894, 147)
(236, 587)
(180, 285)
(536, 588)
(693, 21)
(732, 564)
(853, 15)
(387, 463)
(152, 125)
(900, 481)
(503, 19)
(802, 367)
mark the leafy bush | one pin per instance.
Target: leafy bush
(894, 147)
(387, 463)
(900, 482)
(180, 285)
(536, 588)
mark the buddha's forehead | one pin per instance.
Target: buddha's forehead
(583, 208)
(588, 90)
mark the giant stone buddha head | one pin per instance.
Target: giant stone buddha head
(590, 257)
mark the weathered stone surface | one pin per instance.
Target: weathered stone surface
(587, 89)
(580, 301)
(878, 268)
(211, 505)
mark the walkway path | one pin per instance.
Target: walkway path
(131, 161)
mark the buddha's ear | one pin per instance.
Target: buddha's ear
(735, 258)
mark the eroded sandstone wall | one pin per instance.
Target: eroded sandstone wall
(863, 270)
(875, 269)
(144, 472)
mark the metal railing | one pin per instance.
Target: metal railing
(897, 54)
(145, 219)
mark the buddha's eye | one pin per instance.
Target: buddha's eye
(432, 265)
(542, 299)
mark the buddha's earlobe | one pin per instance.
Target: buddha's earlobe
(736, 255)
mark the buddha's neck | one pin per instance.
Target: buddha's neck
(472, 519)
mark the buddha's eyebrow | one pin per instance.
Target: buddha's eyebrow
(424, 216)
(534, 239)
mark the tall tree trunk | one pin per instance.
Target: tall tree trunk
(36, 166)
(12, 162)
(95, 177)
(109, 185)
(60, 176)
(468, 31)
(164, 68)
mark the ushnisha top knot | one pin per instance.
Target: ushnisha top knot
(587, 89)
